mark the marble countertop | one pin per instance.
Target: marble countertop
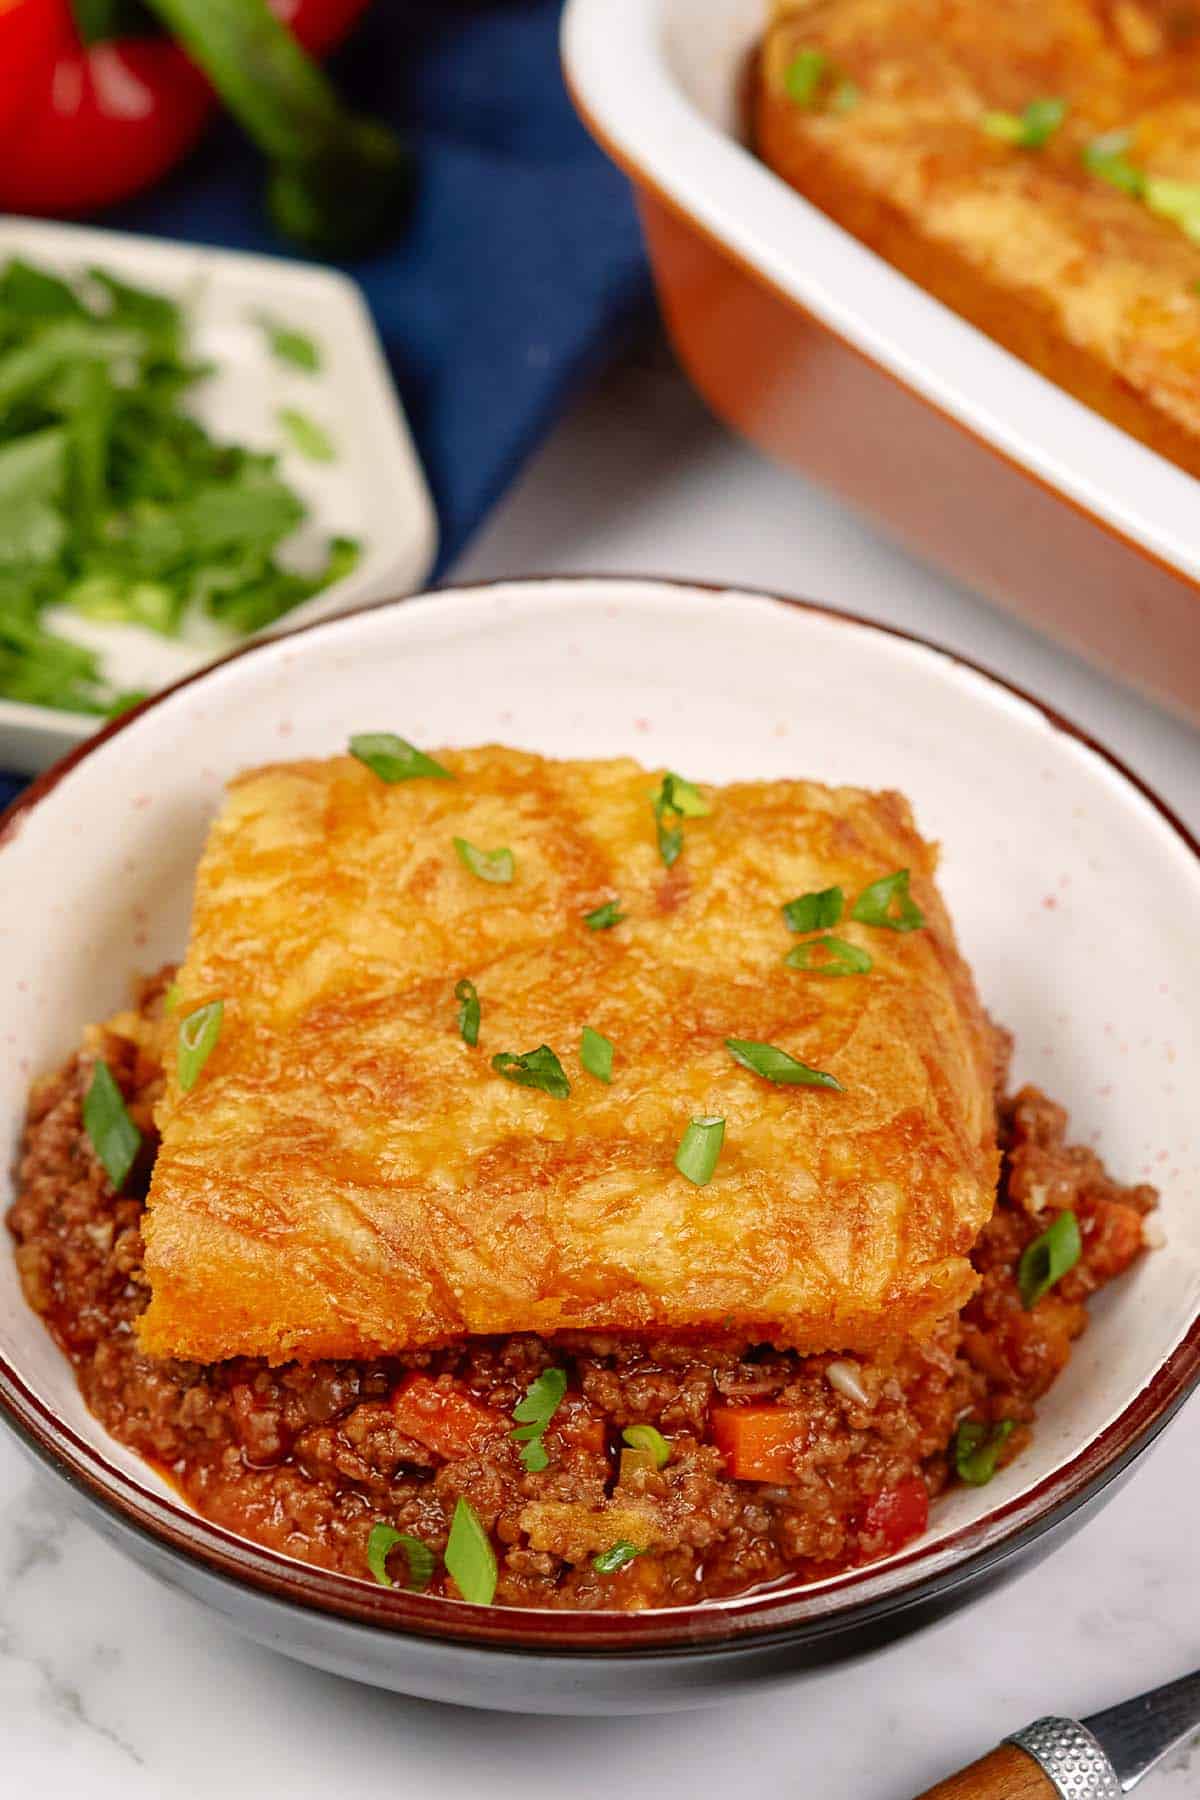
(113, 1688)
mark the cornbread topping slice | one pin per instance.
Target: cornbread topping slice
(1035, 165)
(348, 1174)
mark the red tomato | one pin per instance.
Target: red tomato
(28, 40)
(320, 25)
(91, 126)
(898, 1514)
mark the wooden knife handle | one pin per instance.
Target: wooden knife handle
(1006, 1774)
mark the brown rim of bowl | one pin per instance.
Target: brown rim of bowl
(786, 1609)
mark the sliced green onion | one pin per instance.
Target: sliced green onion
(470, 1558)
(309, 438)
(1048, 1258)
(383, 1540)
(534, 1413)
(804, 75)
(603, 918)
(837, 957)
(171, 996)
(538, 1068)
(596, 1054)
(114, 1136)
(1027, 130)
(1105, 156)
(607, 1562)
(198, 1035)
(846, 96)
(977, 1449)
(1178, 201)
(813, 912)
(699, 1148)
(680, 799)
(489, 865)
(467, 995)
(394, 759)
(648, 1437)
(776, 1065)
(888, 904)
(290, 345)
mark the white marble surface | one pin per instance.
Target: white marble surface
(111, 1686)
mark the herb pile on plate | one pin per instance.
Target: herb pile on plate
(114, 501)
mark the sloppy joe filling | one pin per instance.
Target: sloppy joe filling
(760, 1462)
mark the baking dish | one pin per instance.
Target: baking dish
(816, 349)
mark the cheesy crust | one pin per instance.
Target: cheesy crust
(348, 1177)
(1076, 277)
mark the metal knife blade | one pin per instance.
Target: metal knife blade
(1137, 1734)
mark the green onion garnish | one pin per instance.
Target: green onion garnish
(1027, 130)
(1105, 156)
(1048, 1258)
(171, 996)
(290, 345)
(699, 1148)
(977, 1449)
(1178, 201)
(845, 96)
(467, 995)
(198, 1035)
(888, 903)
(679, 799)
(776, 1065)
(603, 918)
(596, 1054)
(804, 75)
(470, 1558)
(309, 438)
(648, 1437)
(534, 1413)
(394, 759)
(383, 1540)
(814, 912)
(538, 1068)
(115, 1138)
(615, 1557)
(828, 956)
(489, 865)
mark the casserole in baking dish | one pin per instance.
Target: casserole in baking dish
(831, 359)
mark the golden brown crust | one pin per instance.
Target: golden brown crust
(348, 1177)
(1079, 279)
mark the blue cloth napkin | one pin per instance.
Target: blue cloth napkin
(520, 267)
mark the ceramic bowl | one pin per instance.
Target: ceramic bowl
(831, 360)
(1077, 898)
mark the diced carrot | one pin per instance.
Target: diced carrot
(898, 1513)
(575, 1424)
(446, 1419)
(758, 1443)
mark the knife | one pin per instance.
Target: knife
(1099, 1758)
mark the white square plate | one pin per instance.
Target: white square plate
(375, 491)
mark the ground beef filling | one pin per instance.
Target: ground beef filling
(837, 1458)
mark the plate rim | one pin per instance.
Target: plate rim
(790, 1611)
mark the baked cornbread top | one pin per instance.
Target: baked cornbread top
(1058, 248)
(349, 1175)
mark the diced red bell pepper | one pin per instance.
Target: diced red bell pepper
(898, 1514)
(446, 1419)
(758, 1442)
